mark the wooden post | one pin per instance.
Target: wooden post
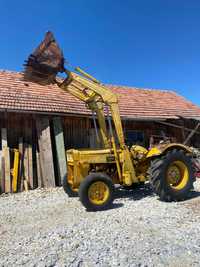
(30, 166)
(45, 147)
(60, 149)
(0, 170)
(6, 156)
(21, 158)
(191, 134)
(4, 141)
(2, 174)
(25, 162)
(28, 152)
(5, 161)
(15, 171)
(39, 171)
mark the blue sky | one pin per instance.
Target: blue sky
(150, 44)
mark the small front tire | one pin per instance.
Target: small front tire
(68, 189)
(96, 192)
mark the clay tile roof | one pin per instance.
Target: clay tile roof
(18, 95)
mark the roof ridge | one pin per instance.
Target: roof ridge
(10, 71)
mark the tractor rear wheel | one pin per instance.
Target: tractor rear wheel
(172, 175)
(96, 192)
(68, 189)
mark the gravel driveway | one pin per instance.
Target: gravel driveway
(46, 228)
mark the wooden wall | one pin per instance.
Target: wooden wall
(42, 141)
(76, 132)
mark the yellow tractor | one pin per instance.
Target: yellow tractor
(92, 173)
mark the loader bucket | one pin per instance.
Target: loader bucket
(45, 62)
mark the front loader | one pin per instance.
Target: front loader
(92, 173)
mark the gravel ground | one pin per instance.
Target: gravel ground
(46, 228)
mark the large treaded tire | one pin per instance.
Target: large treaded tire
(158, 176)
(84, 191)
(67, 188)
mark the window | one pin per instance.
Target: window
(134, 137)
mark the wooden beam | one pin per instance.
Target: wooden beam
(28, 153)
(6, 156)
(60, 149)
(45, 148)
(39, 170)
(176, 126)
(191, 134)
(15, 171)
(26, 165)
(21, 159)
(5, 161)
(30, 167)
(1, 175)
(4, 140)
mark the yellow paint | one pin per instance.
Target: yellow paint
(15, 170)
(153, 152)
(139, 149)
(98, 193)
(177, 175)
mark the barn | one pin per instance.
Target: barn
(41, 122)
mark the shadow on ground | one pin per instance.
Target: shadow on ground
(113, 206)
(137, 193)
(193, 194)
(141, 192)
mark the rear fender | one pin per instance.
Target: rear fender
(163, 148)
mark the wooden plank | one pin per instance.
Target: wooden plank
(6, 161)
(4, 141)
(60, 149)
(15, 171)
(0, 171)
(29, 155)
(21, 157)
(25, 163)
(39, 171)
(34, 158)
(45, 147)
(6, 156)
(30, 166)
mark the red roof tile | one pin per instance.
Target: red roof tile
(18, 95)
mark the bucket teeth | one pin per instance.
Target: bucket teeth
(45, 62)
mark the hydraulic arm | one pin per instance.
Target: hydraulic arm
(96, 96)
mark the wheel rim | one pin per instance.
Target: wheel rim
(177, 175)
(98, 193)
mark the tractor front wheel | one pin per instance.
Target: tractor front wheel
(172, 175)
(68, 188)
(96, 192)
